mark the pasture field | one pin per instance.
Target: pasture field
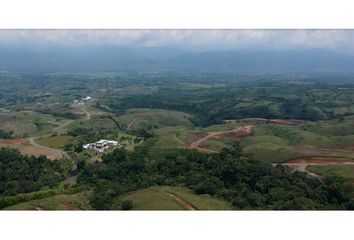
(55, 141)
(159, 198)
(154, 118)
(172, 137)
(346, 171)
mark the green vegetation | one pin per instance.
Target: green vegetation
(26, 123)
(22, 174)
(75, 201)
(158, 198)
(229, 175)
(55, 141)
(157, 117)
(6, 134)
(346, 171)
(154, 118)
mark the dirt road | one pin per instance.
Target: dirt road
(238, 132)
(62, 126)
(182, 202)
(301, 164)
(32, 141)
(131, 124)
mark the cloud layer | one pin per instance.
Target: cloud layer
(199, 40)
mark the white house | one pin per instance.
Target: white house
(101, 145)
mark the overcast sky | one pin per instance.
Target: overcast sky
(199, 40)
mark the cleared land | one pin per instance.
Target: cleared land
(31, 148)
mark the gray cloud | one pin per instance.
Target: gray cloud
(340, 40)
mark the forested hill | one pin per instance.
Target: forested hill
(109, 58)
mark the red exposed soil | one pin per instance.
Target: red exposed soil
(321, 160)
(14, 141)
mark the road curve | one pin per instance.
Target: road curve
(32, 141)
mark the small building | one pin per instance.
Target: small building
(101, 145)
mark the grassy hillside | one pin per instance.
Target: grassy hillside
(154, 118)
(346, 171)
(158, 198)
(55, 141)
(27, 123)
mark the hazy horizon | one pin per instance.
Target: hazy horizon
(190, 40)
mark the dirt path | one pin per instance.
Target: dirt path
(32, 141)
(302, 164)
(239, 131)
(62, 125)
(132, 123)
(182, 202)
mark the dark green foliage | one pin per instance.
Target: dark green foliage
(127, 205)
(246, 183)
(22, 174)
(6, 134)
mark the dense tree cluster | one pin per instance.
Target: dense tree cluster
(6, 134)
(246, 183)
(23, 174)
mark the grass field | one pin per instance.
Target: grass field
(157, 198)
(154, 118)
(172, 137)
(346, 171)
(55, 141)
(77, 201)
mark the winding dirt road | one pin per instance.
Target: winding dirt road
(239, 131)
(32, 141)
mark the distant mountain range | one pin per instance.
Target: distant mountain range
(106, 58)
